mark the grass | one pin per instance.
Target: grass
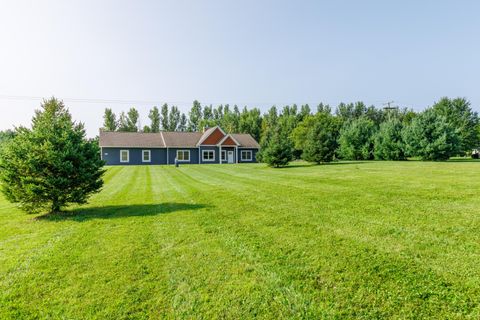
(348, 240)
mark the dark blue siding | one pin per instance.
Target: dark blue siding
(217, 155)
(112, 156)
(172, 153)
(159, 155)
(254, 155)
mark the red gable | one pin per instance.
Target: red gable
(229, 142)
(214, 137)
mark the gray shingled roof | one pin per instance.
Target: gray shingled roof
(245, 140)
(181, 139)
(164, 139)
(130, 139)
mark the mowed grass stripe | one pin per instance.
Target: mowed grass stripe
(216, 242)
(420, 275)
(263, 240)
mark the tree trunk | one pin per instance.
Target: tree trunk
(55, 207)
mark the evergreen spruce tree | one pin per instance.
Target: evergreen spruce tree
(356, 139)
(321, 139)
(463, 119)
(278, 151)
(431, 137)
(51, 165)
(389, 144)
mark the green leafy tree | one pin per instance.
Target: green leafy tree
(230, 120)
(147, 129)
(463, 119)
(173, 118)
(304, 112)
(154, 116)
(132, 119)
(389, 144)
(183, 123)
(123, 122)
(324, 108)
(6, 136)
(164, 118)
(278, 151)
(208, 113)
(51, 165)
(356, 139)
(195, 116)
(321, 138)
(208, 120)
(109, 120)
(431, 137)
(251, 122)
(351, 111)
(218, 114)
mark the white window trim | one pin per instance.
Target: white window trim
(184, 154)
(128, 156)
(149, 155)
(224, 152)
(242, 152)
(208, 160)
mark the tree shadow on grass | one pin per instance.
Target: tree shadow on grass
(465, 160)
(120, 211)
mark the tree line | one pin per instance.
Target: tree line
(169, 118)
(352, 131)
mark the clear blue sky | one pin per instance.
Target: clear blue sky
(257, 53)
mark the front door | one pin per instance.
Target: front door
(230, 156)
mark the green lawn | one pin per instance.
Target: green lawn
(362, 239)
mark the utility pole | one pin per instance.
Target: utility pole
(387, 106)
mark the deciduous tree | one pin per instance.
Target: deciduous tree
(109, 120)
(154, 116)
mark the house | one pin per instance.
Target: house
(212, 145)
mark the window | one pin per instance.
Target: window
(246, 155)
(124, 156)
(146, 156)
(208, 155)
(183, 155)
(224, 155)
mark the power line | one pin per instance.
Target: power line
(134, 102)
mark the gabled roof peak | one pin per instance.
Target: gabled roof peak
(208, 133)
